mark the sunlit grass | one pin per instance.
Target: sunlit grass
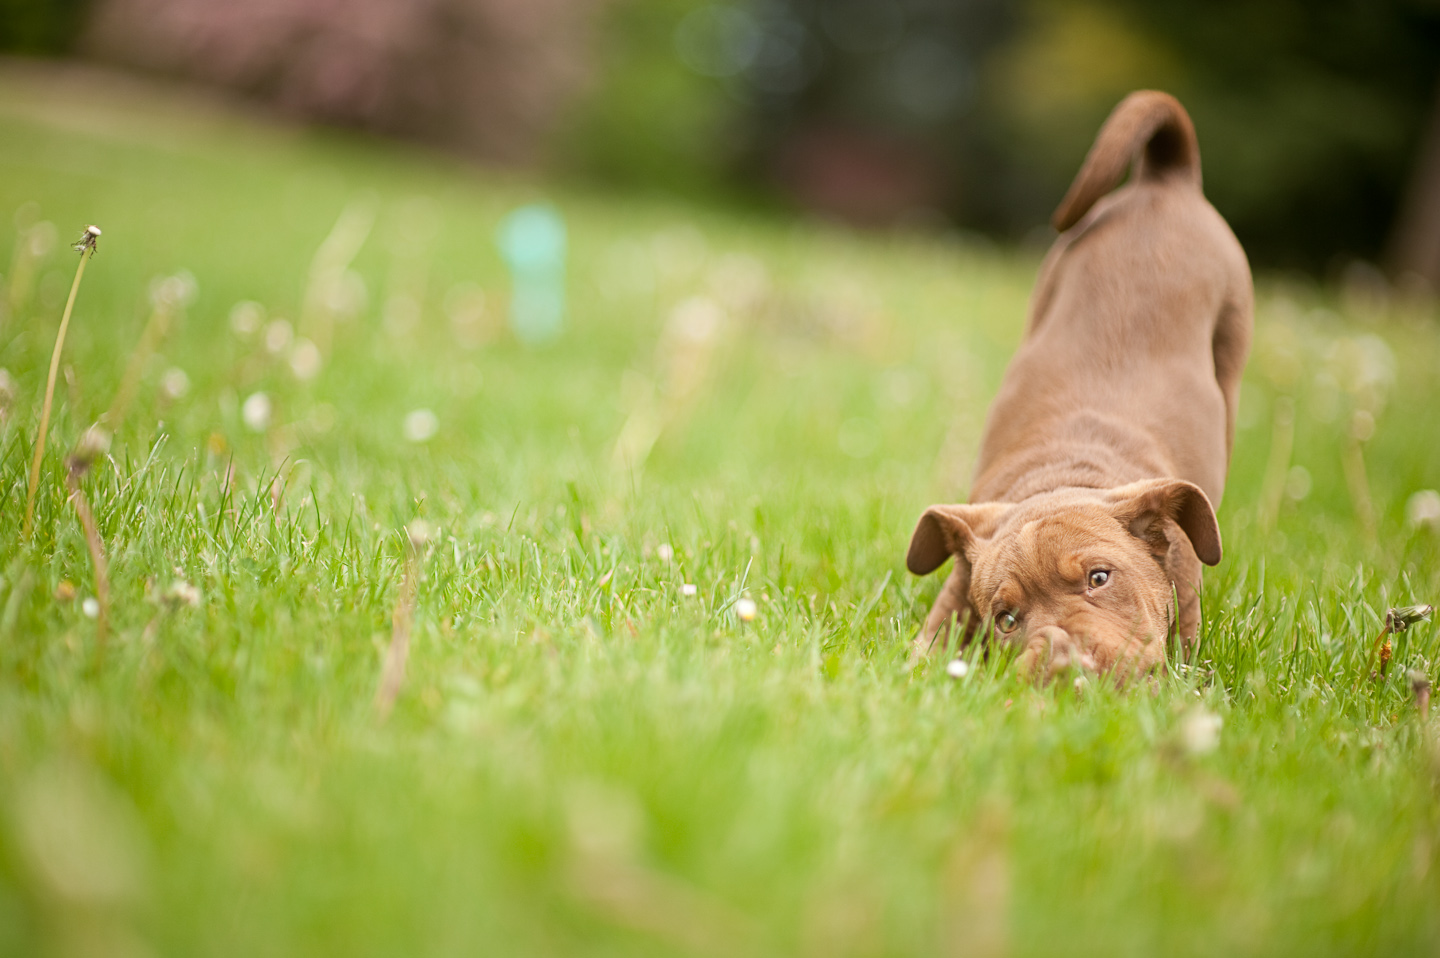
(582, 757)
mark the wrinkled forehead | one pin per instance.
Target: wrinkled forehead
(1039, 545)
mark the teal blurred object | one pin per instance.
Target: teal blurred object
(532, 242)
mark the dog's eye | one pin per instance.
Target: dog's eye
(1006, 622)
(1098, 578)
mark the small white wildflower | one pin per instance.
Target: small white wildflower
(170, 292)
(91, 607)
(664, 552)
(957, 669)
(256, 412)
(688, 589)
(421, 425)
(696, 319)
(1200, 731)
(745, 609)
(174, 384)
(278, 336)
(182, 593)
(246, 317)
(1423, 508)
(305, 359)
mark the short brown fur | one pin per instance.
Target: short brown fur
(1107, 447)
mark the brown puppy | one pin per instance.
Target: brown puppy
(1106, 450)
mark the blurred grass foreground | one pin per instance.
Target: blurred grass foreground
(423, 640)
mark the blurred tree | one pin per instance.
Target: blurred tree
(484, 77)
(1414, 253)
(1310, 112)
(650, 121)
(40, 26)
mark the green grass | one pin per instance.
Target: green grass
(582, 759)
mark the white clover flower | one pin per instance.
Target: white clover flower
(257, 411)
(745, 609)
(957, 669)
(421, 425)
(664, 552)
(91, 607)
(688, 589)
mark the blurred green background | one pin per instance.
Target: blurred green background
(971, 115)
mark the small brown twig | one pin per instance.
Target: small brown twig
(86, 248)
(392, 674)
(91, 445)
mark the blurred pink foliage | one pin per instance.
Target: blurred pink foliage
(485, 77)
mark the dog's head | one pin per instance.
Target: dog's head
(1076, 577)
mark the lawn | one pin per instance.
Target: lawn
(337, 446)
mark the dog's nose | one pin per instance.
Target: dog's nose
(1052, 652)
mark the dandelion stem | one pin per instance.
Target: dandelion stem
(97, 557)
(87, 249)
(1282, 444)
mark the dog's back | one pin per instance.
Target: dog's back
(1138, 328)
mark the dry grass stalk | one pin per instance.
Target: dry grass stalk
(33, 241)
(684, 359)
(91, 445)
(392, 674)
(86, 248)
(168, 299)
(326, 280)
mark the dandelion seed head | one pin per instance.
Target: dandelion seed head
(1423, 509)
(278, 336)
(256, 412)
(174, 383)
(93, 444)
(246, 317)
(305, 359)
(421, 425)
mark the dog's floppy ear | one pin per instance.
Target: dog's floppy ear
(945, 531)
(1141, 505)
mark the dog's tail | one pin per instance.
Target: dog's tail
(1149, 129)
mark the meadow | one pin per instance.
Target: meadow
(421, 640)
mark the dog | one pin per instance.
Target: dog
(1105, 452)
